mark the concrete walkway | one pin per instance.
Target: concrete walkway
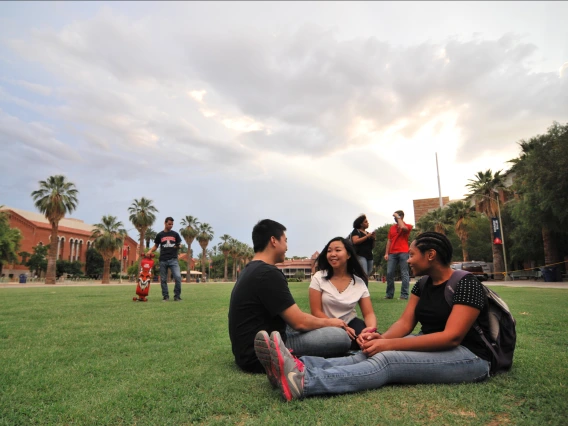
(517, 283)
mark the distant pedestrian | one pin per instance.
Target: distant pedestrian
(363, 242)
(169, 242)
(397, 253)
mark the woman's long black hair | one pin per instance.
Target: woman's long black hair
(353, 265)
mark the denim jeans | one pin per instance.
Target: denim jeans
(327, 341)
(174, 267)
(358, 372)
(366, 264)
(401, 259)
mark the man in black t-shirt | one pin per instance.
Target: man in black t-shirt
(261, 300)
(169, 242)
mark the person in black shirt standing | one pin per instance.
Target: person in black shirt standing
(169, 242)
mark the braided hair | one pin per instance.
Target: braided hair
(435, 241)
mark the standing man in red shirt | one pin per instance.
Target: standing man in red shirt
(397, 252)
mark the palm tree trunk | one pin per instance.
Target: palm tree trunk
(142, 235)
(551, 253)
(106, 271)
(225, 277)
(52, 255)
(465, 253)
(203, 260)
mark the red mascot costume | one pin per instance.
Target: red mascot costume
(144, 278)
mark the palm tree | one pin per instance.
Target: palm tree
(233, 252)
(55, 198)
(204, 235)
(484, 193)
(225, 247)
(461, 213)
(142, 217)
(150, 236)
(108, 236)
(189, 232)
(435, 220)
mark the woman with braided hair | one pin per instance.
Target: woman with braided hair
(447, 349)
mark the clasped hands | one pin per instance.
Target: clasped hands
(371, 343)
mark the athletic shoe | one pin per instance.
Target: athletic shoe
(177, 299)
(386, 297)
(166, 299)
(262, 350)
(289, 369)
(403, 298)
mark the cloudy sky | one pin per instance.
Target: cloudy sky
(306, 113)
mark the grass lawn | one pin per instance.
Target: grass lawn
(89, 355)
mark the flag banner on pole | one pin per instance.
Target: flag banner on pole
(497, 239)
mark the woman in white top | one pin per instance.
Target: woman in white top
(339, 285)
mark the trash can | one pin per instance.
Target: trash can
(550, 274)
(23, 278)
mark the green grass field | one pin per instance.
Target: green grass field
(89, 355)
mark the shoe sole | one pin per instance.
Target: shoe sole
(262, 350)
(278, 363)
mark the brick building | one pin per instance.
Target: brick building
(424, 205)
(291, 266)
(73, 238)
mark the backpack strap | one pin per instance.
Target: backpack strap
(457, 275)
(450, 287)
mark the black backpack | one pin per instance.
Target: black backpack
(502, 333)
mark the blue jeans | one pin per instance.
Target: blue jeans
(366, 264)
(401, 259)
(174, 267)
(358, 372)
(327, 341)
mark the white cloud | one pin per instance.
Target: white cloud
(309, 124)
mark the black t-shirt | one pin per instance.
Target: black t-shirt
(168, 242)
(432, 310)
(365, 249)
(259, 296)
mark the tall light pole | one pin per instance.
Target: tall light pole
(507, 278)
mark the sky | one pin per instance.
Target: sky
(307, 113)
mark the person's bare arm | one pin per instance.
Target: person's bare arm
(301, 321)
(316, 306)
(461, 319)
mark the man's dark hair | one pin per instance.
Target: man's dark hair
(400, 213)
(262, 232)
(168, 219)
(435, 241)
(353, 265)
(359, 221)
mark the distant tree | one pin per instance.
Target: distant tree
(108, 236)
(188, 233)
(204, 236)
(95, 264)
(541, 183)
(37, 263)
(10, 240)
(461, 214)
(142, 217)
(484, 192)
(225, 248)
(150, 236)
(55, 198)
(435, 220)
(24, 255)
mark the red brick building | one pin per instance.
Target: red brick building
(73, 238)
(424, 205)
(291, 266)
